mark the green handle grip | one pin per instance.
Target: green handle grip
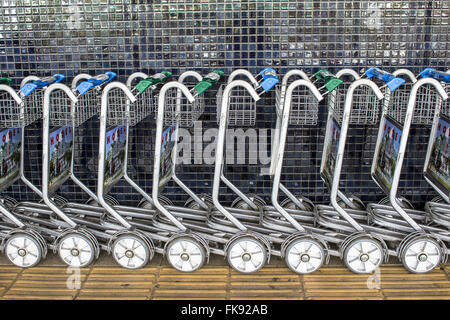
(207, 81)
(331, 82)
(153, 80)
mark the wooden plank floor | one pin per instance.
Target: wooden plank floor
(219, 282)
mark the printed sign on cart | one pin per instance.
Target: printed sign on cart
(387, 153)
(114, 156)
(167, 151)
(330, 149)
(10, 154)
(60, 155)
(439, 163)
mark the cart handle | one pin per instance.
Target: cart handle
(270, 79)
(152, 81)
(78, 78)
(96, 81)
(244, 72)
(291, 73)
(41, 83)
(4, 87)
(391, 81)
(134, 76)
(435, 74)
(331, 81)
(208, 81)
(405, 72)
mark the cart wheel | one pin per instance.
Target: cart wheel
(304, 256)
(421, 255)
(363, 255)
(23, 250)
(246, 255)
(185, 254)
(165, 201)
(76, 250)
(307, 204)
(130, 251)
(239, 203)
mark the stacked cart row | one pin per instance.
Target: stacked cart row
(250, 231)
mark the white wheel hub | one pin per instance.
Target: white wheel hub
(421, 256)
(247, 255)
(23, 251)
(304, 256)
(76, 250)
(185, 254)
(363, 256)
(130, 252)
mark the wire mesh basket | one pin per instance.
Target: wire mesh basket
(117, 109)
(304, 107)
(88, 105)
(177, 108)
(145, 104)
(9, 111)
(60, 108)
(32, 105)
(241, 107)
(427, 100)
(365, 105)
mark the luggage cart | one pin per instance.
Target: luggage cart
(363, 250)
(142, 226)
(23, 243)
(369, 239)
(222, 236)
(426, 244)
(76, 245)
(434, 169)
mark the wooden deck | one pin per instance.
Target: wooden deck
(220, 282)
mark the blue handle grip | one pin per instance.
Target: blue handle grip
(41, 83)
(438, 75)
(270, 78)
(391, 81)
(85, 86)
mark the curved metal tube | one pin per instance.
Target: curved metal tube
(220, 146)
(159, 129)
(348, 72)
(12, 93)
(341, 146)
(244, 72)
(276, 136)
(403, 142)
(134, 76)
(28, 79)
(45, 148)
(102, 148)
(282, 143)
(78, 78)
(405, 72)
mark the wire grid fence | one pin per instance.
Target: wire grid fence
(123, 36)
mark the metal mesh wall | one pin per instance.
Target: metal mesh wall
(93, 36)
